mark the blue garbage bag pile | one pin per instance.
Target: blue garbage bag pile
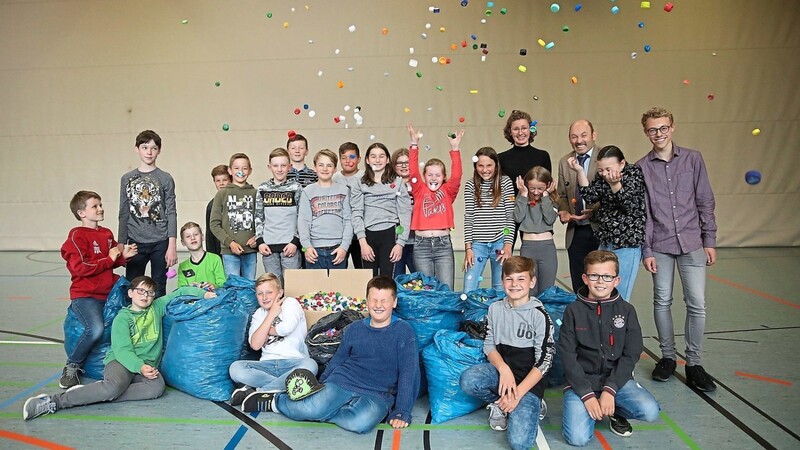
(555, 301)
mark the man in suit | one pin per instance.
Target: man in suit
(572, 211)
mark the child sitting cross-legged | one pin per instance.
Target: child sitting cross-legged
(278, 328)
(373, 375)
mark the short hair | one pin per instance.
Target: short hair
(79, 200)
(278, 152)
(349, 146)
(221, 169)
(382, 282)
(327, 153)
(143, 281)
(599, 257)
(236, 156)
(519, 264)
(269, 277)
(656, 112)
(189, 226)
(402, 151)
(297, 137)
(513, 117)
(146, 136)
(610, 151)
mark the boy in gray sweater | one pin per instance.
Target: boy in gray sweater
(324, 219)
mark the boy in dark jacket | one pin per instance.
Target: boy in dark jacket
(600, 343)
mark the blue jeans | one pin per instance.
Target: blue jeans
(243, 265)
(155, 253)
(692, 270)
(268, 375)
(481, 381)
(325, 259)
(433, 256)
(359, 413)
(89, 312)
(406, 261)
(484, 252)
(632, 402)
(629, 260)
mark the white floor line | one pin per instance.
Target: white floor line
(31, 342)
(541, 442)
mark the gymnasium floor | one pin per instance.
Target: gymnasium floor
(749, 348)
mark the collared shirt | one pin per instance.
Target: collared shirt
(680, 203)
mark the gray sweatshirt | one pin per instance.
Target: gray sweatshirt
(381, 206)
(537, 218)
(324, 218)
(232, 216)
(276, 212)
(147, 210)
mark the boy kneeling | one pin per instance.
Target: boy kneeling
(600, 343)
(520, 349)
(374, 373)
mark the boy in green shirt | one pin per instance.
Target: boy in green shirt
(131, 371)
(202, 269)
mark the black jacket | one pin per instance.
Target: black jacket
(600, 344)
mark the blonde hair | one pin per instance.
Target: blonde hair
(269, 277)
(656, 112)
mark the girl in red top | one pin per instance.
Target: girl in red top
(432, 217)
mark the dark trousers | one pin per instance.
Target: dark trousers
(583, 242)
(355, 253)
(154, 253)
(381, 243)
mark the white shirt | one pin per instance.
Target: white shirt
(291, 327)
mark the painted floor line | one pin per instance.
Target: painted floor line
(541, 442)
(29, 440)
(763, 378)
(754, 292)
(29, 392)
(31, 342)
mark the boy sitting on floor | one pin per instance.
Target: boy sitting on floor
(374, 373)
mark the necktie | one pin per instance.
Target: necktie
(579, 206)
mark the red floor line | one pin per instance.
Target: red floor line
(602, 440)
(754, 292)
(32, 441)
(763, 378)
(396, 440)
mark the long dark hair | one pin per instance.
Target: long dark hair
(388, 173)
(477, 179)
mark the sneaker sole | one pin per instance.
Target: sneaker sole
(625, 434)
(694, 386)
(498, 428)
(25, 406)
(663, 380)
(235, 401)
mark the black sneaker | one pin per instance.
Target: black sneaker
(238, 396)
(300, 383)
(69, 376)
(664, 369)
(258, 402)
(697, 378)
(619, 426)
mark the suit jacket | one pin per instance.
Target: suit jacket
(567, 183)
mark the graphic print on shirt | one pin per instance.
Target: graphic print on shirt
(143, 329)
(273, 339)
(240, 212)
(96, 247)
(327, 204)
(144, 198)
(433, 203)
(278, 198)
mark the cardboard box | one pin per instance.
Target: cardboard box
(350, 282)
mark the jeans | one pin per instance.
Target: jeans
(481, 381)
(277, 262)
(325, 259)
(433, 256)
(406, 261)
(89, 312)
(359, 413)
(629, 260)
(268, 375)
(632, 402)
(155, 253)
(243, 265)
(583, 242)
(544, 254)
(692, 270)
(484, 252)
(118, 385)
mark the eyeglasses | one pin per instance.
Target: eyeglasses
(145, 292)
(664, 129)
(597, 276)
(398, 163)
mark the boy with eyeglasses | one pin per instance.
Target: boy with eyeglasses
(131, 371)
(680, 230)
(600, 344)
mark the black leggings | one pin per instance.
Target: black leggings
(381, 242)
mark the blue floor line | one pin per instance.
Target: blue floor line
(239, 435)
(27, 392)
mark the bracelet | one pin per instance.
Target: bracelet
(414, 145)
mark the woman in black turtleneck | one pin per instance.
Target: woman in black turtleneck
(519, 159)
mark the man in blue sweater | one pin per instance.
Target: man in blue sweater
(373, 375)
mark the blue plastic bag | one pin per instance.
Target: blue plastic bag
(555, 301)
(428, 311)
(478, 301)
(206, 337)
(73, 329)
(450, 354)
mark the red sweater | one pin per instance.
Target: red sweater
(86, 254)
(433, 210)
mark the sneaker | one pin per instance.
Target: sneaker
(238, 396)
(697, 378)
(498, 420)
(74, 387)
(69, 377)
(619, 426)
(543, 410)
(664, 369)
(37, 406)
(300, 383)
(258, 402)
